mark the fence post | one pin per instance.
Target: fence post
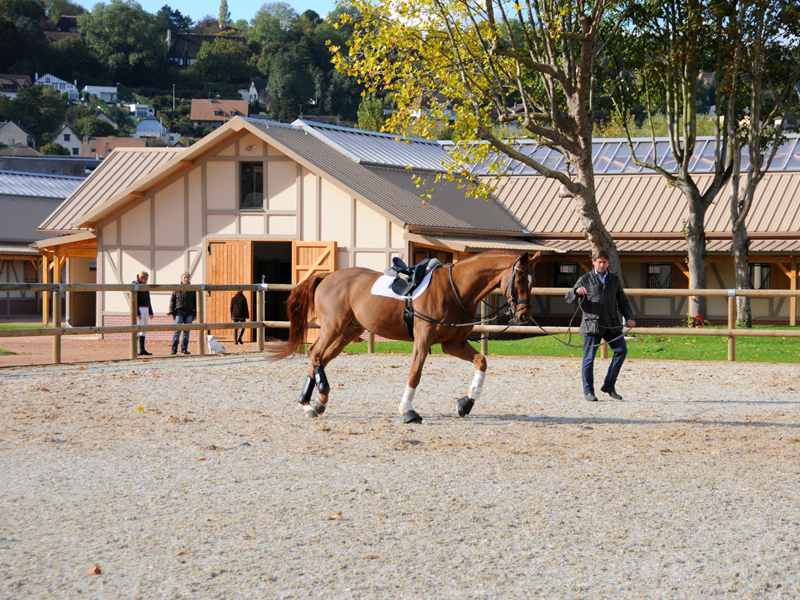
(45, 295)
(732, 325)
(793, 299)
(201, 318)
(370, 343)
(260, 319)
(134, 314)
(485, 334)
(57, 327)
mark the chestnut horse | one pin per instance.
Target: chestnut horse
(345, 308)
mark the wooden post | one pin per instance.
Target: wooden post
(260, 319)
(370, 343)
(485, 336)
(793, 299)
(732, 325)
(45, 295)
(201, 318)
(134, 315)
(57, 326)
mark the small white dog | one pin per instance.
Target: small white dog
(214, 347)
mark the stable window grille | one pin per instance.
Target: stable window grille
(759, 276)
(566, 274)
(659, 276)
(252, 180)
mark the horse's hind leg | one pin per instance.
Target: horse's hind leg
(465, 351)
(329, 347)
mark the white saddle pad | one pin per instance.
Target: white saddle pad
(383, 287)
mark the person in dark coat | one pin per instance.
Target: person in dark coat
(602, 299)
(239, 313)
(145, 310)
(183, 307)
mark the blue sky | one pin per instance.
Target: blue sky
(198, 9)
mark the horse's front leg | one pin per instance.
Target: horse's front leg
(406, 409)
(465, 351)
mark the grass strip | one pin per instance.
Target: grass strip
(674, 347)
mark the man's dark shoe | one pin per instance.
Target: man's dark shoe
(611, 392)
(590, 397)
(174, 352)
(185, 352)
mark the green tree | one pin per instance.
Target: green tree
(760, 76)
(272, 24)
(672, 41)
(178, 22)
(94, 127)
(223, 60)
(128, 40)
(290, 86)
(370, 114)
(40, 109)
(71, 59)
(54, 149)
(15, 9)
(483, 59)
(57, 8)
(224, 15)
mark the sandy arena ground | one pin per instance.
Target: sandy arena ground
(200, 478)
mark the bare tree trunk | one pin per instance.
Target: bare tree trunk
(741, 265)
(591, 221)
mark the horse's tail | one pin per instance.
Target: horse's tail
(298, 307)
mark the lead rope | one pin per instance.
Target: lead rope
(569, 330)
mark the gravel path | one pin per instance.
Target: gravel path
(218, 487)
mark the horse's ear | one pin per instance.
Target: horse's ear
(535, 258)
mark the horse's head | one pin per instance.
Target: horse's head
(516, 284)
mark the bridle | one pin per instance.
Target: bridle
(510, 295)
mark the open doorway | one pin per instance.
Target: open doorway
(272, 263)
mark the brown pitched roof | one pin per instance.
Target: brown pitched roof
(204, 110)
(104, 145)
(644, 214)
(57, 36)
(115, 173)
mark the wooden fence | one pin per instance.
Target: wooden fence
(57, 332)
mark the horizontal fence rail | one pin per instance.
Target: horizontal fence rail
(56, 332)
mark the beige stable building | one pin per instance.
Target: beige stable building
(258, 201)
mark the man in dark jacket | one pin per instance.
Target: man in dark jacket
(602, 299)
(183, 307)
(239, 313)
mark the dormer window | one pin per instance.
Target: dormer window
(233, 113)
(217, 113)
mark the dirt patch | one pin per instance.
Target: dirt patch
(201, 478)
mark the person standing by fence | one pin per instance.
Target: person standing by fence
(601, 300)
(183, 307)
(145, 310)
(239, 313)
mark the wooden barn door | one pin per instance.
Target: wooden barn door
(230, 262)
(311, 258)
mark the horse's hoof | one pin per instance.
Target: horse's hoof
(309, 411)
(318, 406)
(465, 404)
(412, 417)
